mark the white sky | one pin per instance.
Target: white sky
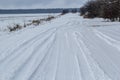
(14, 4)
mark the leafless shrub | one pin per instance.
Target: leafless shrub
(107, 9)
(25, 25)
(50, 18)
(36, 22)
(14, 27)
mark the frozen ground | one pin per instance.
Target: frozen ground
(7, 20)
(68, 48)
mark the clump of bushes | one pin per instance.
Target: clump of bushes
(15, 27)
(83, 11)
(107, 9)
(50, 18)
(36, 22)
(69, 10)
(33, 22)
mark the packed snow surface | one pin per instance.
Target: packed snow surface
(67, 48)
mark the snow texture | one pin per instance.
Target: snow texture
(67, 48)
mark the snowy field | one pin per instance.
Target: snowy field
(7, 20)
(67, 48)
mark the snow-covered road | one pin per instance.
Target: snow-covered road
(68, 48)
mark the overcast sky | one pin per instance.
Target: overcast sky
(11, 4)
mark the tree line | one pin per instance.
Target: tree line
(107, 9)
(65, 11)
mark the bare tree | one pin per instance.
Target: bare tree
(107, 9)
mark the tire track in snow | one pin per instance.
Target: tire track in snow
(74, 51)
(93, 68)
(67, 51)
(101, 53)
(25, 45)
(44, 62)
(36, 54)
(108, 39)
(62, 60)
(11, 41)
(7, 62)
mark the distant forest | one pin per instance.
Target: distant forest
(35, 11)
(107, 9)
